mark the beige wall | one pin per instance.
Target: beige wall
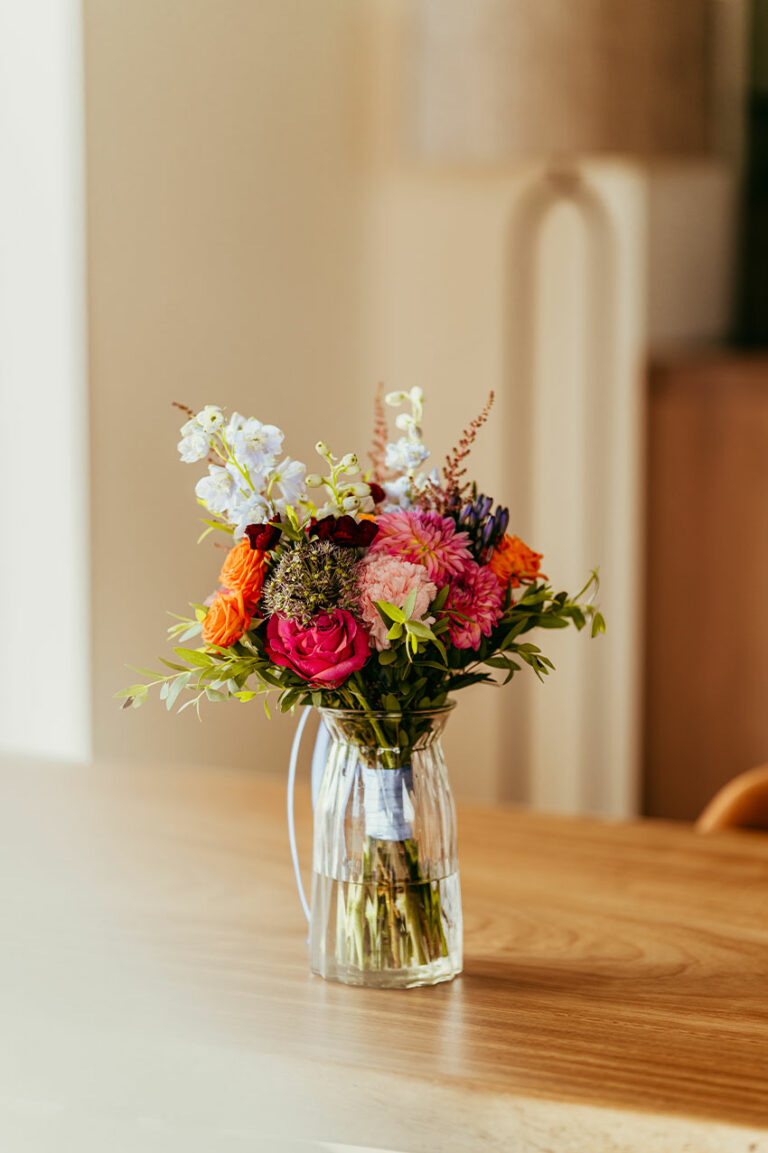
(236, 255)
(256, 239)
(222, 232)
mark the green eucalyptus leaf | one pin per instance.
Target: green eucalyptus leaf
(176, 687)
(215, 694)
(131, 691)
(194, 657)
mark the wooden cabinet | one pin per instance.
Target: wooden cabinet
(706, 622)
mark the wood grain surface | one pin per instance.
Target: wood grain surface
(154, 973)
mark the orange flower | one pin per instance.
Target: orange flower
(243, 572)
(227, 619)
(513, 562)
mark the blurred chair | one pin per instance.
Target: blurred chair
(741, 804)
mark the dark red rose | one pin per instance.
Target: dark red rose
(377, 492)
(263, 537)
(345, 531)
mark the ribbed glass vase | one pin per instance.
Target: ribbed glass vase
(386, 905)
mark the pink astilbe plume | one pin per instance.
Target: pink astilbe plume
(424, 538)
(454, 469)
(378, 452)
(473, 607)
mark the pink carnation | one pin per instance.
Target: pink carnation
(424, 538)
(386, 578)
(473, 606)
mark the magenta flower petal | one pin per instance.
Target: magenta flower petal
(424, 538)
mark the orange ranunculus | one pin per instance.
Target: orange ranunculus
(226, 620)
(513, 562)
(243, 572)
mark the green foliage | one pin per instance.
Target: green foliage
(418, 671)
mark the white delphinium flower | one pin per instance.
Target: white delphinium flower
(257, 446)
(234, 424)
(398, 493)
(288, 477)
(244, 486)
(246, 481)
(251, 509)
(216, 490)
(405, 456)
(194, 446)
(210, 418)
(248, 487)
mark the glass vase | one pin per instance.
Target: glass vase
(386, 905)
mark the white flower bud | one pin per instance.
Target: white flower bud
(348, 462)
(314, 481)
(395, 398)
(405, 422)
(417, 395)
(350, 503)
(321, 448)
(358, 489)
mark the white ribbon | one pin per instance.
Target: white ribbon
(387, 803)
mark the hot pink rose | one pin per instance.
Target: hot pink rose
(325, 653)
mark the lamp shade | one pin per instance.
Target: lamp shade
(495, 80)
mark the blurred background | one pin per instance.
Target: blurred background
(273, 205)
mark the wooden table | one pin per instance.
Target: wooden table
(155, 995)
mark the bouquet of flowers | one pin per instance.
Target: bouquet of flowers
(381, 592)
(384, 590)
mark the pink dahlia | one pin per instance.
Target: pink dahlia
(473, 606)
(424, 538)
(387, 578)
